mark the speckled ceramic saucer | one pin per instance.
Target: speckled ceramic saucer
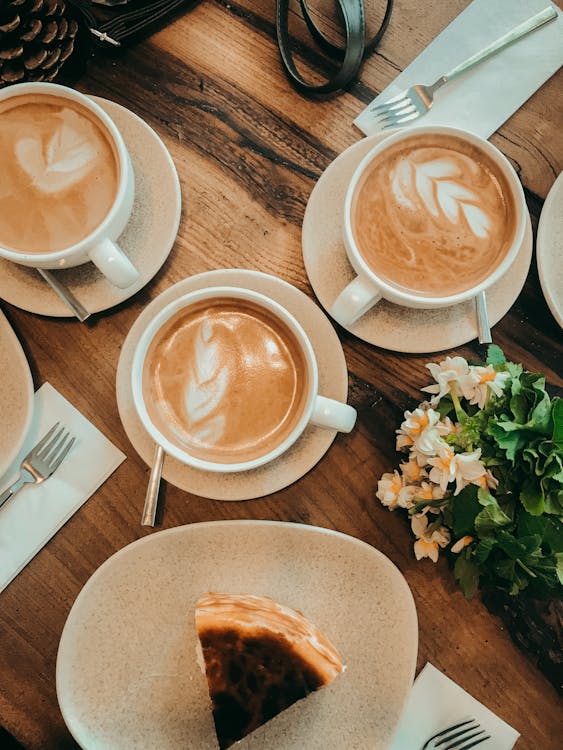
(549, 250)
(127, 675)
(16, 395)
(313, 443)
(147, 240)
(390, 326)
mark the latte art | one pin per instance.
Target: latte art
(59, 173)
(440, 188)
(433, 215)
(225, 380)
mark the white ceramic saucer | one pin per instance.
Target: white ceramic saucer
(147, 240)
(390, 326)
(549, 249)
(311, 446)
(16, 395)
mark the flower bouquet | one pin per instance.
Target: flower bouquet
(483, 476)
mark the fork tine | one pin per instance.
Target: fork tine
(56, 449)
(474, 744)
(452, 733)
(46, 449)
(61, 457)
(453, 741)
(44, 439)
(384, 116)
(401, 121)
(404, 102)
(385, 104)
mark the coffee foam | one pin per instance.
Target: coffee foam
(433, 215)
(225, 380)
(61, 173)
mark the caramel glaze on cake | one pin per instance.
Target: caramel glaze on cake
(260, 657)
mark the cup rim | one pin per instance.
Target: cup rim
(65, 92)
(154, 326)
(394, 294)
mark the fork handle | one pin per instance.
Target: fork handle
(7, 494)
(544, 16)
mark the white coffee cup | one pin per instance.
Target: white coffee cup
(367, 289)
(318, 410)
(99, 246)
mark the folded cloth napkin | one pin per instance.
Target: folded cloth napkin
(29, 519)
(484, 97)
(435, 703)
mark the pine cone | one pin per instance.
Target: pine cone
(36, 38)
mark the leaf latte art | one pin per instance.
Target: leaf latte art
(433, 214)
(59, 173)
(225, 380)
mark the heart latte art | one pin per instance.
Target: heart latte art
(225, 380)
(59, 173)
(433, 215)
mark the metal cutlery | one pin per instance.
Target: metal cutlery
(417, 100)
(42, 461)
(460, 736)
(64, 293)
(483, 325)
(151, 498)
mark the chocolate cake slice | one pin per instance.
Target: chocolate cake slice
(260, 657)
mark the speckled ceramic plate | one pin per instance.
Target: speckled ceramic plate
(127, 675)
(16, 395)
(549, 249)
(390, 326)
(147, 240)
(304, 453)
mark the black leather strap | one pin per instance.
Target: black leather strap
(351, 55)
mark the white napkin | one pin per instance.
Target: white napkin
(436, 702)
(484, 97)
(29, 519)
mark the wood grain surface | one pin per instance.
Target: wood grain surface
(248, 151)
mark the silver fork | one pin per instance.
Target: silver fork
(460, 736)
(417, 100)
(42, 460)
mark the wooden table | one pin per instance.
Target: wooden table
(248, 151)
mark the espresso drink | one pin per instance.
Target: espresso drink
(225, 380)
(59, 173)
(433, 215)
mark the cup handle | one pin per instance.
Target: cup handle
(355, 300)
(113, 263)
(333, 415)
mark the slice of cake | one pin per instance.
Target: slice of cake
(259, 657)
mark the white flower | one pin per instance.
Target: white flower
(463, 468)
(481, 382)
(422, 430)
(461, 543)
(487, 480)
(412, 471)
(428, 544)
(447, 375)
(388, 489)
(422, 491)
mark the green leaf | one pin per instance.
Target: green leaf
(515, 548)
(495, 355)
(465, 508)
(559, 566)
(505, 569)
(491, 519)
(531, 497)
(467, 574)
(484, 549)
(557, 416)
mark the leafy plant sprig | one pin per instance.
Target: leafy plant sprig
(483, 477)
